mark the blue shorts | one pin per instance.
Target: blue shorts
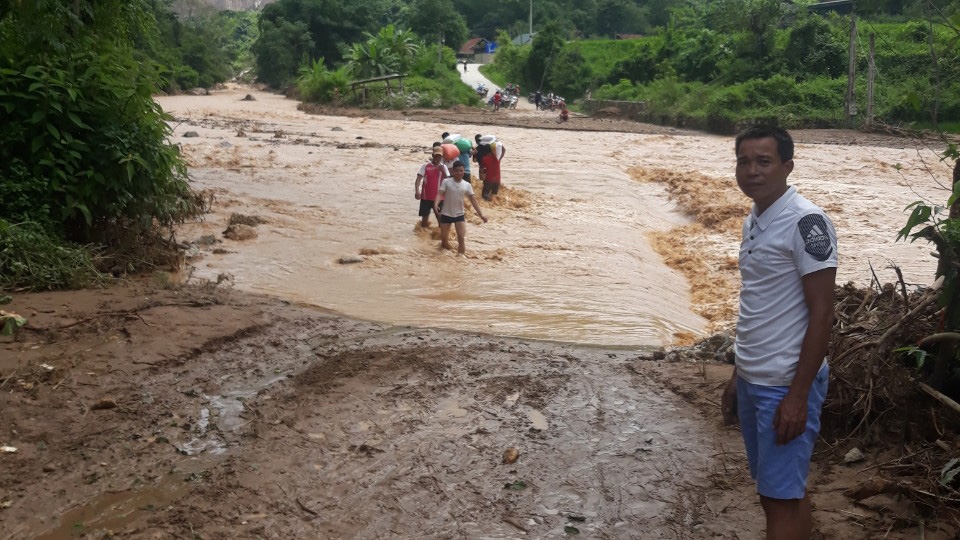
(780, 470)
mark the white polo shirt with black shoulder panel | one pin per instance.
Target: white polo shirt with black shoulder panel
(790, 239)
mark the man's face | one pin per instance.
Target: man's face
(761, 174)
(457, 173)
(436, 158)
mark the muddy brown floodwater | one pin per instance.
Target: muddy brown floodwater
(567, 254)
(287, 395)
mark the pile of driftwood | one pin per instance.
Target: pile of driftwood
(891, 389)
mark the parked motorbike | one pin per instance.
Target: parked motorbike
(482, 91)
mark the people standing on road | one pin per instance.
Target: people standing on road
(497, 98)
(788, 266)
(432, 173)
(464, 66)
(454, 191)
(538, 99)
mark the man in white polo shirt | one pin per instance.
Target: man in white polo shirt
(788, 265)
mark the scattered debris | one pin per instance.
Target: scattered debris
(190, 134)
(10, 323)
(248, 97)
(243, 219)
(8, 449)
(207, 240)
(510, 455)
(350, 259)
(516, 485)
(336, 128)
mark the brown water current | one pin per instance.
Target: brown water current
(566, 255)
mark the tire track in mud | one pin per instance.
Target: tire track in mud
(394, 432)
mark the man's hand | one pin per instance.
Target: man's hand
(790, 420)
(416, 194)
(728, 404)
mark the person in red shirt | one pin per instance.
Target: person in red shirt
(490, 172)
(432, 174)
(497, 98)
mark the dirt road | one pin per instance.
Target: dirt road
(210, 411)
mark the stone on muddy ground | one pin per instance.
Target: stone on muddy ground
(510, 455)
(248, 97)
(853, 456)
(350, 259)
(240, 232)
(207, 240)
(191, 134)
(336, 128)
(104, 404)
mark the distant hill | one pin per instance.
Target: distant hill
(238, 5)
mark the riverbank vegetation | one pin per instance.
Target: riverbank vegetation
(88, 179)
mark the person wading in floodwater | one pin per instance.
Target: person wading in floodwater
(432, 173)
(454, 191)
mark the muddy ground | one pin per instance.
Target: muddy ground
(155, 410)
(145, 412)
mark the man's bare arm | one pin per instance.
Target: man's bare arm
(790, 419)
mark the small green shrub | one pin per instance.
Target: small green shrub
(32, 259)
(321, 85)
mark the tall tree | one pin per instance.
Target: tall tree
(620, 16)
(434, 20)
(546, 46)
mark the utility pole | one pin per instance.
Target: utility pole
(851, 99)
(871, 76)
(440, 49)
(531, 19)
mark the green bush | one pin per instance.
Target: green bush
(321, 85)
(86, 126)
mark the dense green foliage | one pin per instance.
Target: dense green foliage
(716, 65)
(196, 45)
(296, 32)
(83, 151)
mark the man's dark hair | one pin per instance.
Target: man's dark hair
(477, 138)
(456, 164)
(436, 144)
(784, 140)
(445, 135)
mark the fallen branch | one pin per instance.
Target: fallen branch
(941, 398)
(940, 338)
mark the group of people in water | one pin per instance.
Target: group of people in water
(444, 185)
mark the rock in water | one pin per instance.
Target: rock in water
(240, 232)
